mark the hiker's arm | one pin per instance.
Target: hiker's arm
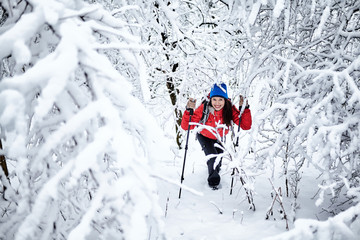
(246, 120)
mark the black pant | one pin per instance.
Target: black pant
(208, 146)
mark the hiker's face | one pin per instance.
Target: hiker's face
(218, 103)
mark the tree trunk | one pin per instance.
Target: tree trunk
(173, 97)
(3, 162)
(5, 169)
(3, 15)
(173, 92)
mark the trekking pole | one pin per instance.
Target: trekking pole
(233, 173)
(232, 181)
(236, 145)
(186, 148)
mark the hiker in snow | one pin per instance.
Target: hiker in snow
(217, 113)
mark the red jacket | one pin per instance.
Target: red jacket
(216, 120)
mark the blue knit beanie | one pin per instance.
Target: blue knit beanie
(219, 91)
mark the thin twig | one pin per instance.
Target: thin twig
(219, 209)
(277, 198)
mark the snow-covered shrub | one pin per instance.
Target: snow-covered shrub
(79, 146)
(344, 226)
(304, 68)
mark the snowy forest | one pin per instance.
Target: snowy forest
(91, 99)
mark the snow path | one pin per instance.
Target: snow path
(197, 217)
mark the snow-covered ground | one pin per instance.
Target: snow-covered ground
(215, 214)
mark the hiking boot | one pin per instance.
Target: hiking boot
(214, 179)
